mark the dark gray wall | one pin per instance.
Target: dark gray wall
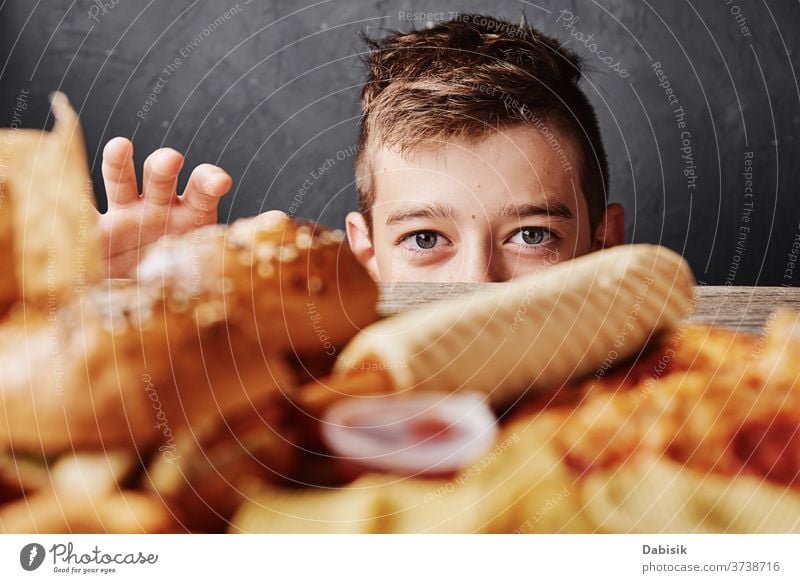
(270, 93)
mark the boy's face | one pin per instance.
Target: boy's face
(486, 210)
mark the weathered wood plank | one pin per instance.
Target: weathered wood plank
(737, 307)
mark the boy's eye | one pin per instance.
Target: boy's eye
(426, 240)
(423, 240)
(531, 236)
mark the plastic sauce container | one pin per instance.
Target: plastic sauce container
(431, 433)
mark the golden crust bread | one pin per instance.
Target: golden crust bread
(291, 285)
(48, 203)
(218, 324)
(117, 368)
(209, 327)
(131, 363)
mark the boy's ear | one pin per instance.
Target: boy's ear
(611, 230)
(361, 243)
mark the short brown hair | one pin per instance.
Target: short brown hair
(467, 76)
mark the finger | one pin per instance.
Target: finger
(119, 173)
(161, 171)
(206, 186)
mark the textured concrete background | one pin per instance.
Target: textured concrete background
(269, 91)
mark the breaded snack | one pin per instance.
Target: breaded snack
(532, 333)
(132, 362)
(293, 286)
(120, 367)
(176, 369)
(48, 203)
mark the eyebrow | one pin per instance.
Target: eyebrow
(431, 210)
(554, 209)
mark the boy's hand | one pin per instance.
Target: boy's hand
(133, 221)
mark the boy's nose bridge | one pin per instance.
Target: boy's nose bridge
(480, 263)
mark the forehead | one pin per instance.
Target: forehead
(505, 166)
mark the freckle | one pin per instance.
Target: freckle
(473, 216)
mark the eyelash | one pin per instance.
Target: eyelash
(553, 237)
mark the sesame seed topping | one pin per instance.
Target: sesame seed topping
(272, 223)
(287, 253)
(265, 269)
(236, 240)
(266, 252)
(303, 241)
